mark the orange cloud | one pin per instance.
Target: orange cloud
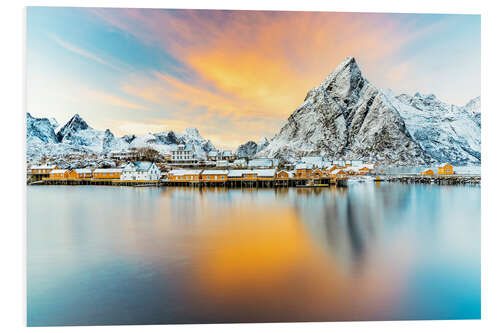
(252, 66)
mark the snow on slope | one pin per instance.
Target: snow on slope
(448, 133)
(77, 137)
(346, 117)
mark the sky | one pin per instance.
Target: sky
(234, 75)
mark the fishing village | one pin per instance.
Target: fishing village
(225, 170)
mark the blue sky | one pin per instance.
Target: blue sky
(235, 75)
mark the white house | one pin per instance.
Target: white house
(182, 154)
(141, 171)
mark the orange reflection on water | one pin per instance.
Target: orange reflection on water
(262, 265)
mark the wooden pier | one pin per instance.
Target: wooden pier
(435, 179)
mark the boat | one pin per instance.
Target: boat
(312, 184)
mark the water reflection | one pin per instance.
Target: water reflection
(187, 255)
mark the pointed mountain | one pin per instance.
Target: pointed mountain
(75, 124)
(346, 117)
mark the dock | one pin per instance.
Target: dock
(435, 179)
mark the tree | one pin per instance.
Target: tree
(147, 154)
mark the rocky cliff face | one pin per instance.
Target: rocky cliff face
(40, 129)
(448, 133)
(251, 148)
(346, 117)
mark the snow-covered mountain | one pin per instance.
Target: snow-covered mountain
(77, 137)
(251, 148)
(40, 129)
(448, 133)
(346, 117)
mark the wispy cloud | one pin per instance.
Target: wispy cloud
(84, 53)
(113, 100)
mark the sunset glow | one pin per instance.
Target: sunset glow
(235, 75)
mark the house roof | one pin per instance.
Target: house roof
(108, 170)
(181, 172)
(83, 170)
(443, 164)
(143, 165)
(45, 166)
(302, 166)
(260, 162)
(215, 172)
(334, 172)
(59, 171)
(289, 173)
(258, 172)
(212, 153)
(266, 172)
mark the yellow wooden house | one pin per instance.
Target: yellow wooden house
(43, 170)
(283, 174)
(59, 174)
(427, 172)
(107, 174)
(317, 174)
(80, 174)
(211, 176)
(303, 171)
(445, 169)
(338, 173)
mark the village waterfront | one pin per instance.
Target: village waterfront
(102, 255)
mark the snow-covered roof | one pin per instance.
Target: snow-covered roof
(143, 165)
(227, 153)
(235, 173)
(182, 172)
(258, 172)
(108, 170)
(59, 171)
(45, 166)
(215, 172)
(266, 172)
(83, 170)
(334, 172)
(442, 165)
(261, 163)
(212, 153)
(302, 166)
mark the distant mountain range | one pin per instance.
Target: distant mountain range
(345, 117)
(77, 137)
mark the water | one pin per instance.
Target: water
(120, 255)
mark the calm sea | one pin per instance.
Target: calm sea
(101, 255)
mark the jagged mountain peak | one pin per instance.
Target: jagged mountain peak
(346, 117)
(74, 125)
(345, 79)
